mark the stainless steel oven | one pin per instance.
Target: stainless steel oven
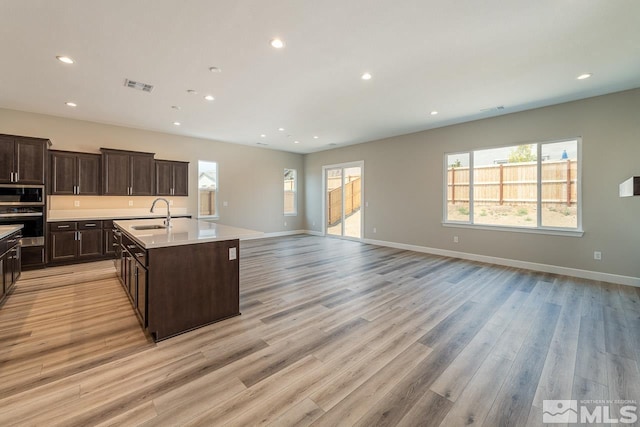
(24, 204)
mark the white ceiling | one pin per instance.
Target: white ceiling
(456, 57)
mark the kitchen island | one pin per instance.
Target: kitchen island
(182, 277)
(10, 263)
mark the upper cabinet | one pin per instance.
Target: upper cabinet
(127, 173)
(22, 159)
(75, 173)
(172, 178)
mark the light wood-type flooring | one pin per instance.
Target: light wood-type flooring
(332, 333)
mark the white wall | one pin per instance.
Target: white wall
(250, 178)
(403, 181)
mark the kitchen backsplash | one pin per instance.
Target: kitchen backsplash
(111, 202)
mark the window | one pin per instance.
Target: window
(207, 189)
(528, 186)
(290, 192)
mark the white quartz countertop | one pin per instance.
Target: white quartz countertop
(183, 231)
(5, 230)
(99, 214)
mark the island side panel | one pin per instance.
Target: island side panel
(191, 286)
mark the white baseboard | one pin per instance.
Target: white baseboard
(546, 268)
(277, 234)
(314, 233)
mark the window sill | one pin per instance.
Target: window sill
(291, 214)
(209, 217)
(548, 231)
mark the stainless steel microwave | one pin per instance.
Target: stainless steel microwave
(21, 195)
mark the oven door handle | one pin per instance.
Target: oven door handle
(18, 214)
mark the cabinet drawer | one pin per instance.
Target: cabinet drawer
(63, 226)
(89, 225)
(136, 251)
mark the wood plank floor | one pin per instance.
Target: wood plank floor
(332, 333)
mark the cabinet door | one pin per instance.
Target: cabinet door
(141, 299)
(63, 246)
(63, 173)
(180, 179)
(2, 268)
(89, 243)
(164, 178)
(109, 242)
(116, 170)
(16, 268)
(88, 174)
(6, 158)
(142, 171)
(30, 161)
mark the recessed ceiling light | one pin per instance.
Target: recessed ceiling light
(209, 98)
(277, 43)
(177, 123)
(366, 76)
(175, 107)
(296, 142)
(281, 129)
(263, 136)
(65, 59)
(192, 92)
(215, 70)
(584, 76)
(433, 113)
(315, 137)
(71, 104)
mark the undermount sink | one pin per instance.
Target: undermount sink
(148, 227)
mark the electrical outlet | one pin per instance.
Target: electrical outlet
(597, 255)
(313, 223)
(130, 202)
(76, 203)
(375, 230)
(285, 223)
(455, 239)
(225, 204)
(366, 204)
(170, 202)
(233, 254)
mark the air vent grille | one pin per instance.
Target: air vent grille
(138, 85)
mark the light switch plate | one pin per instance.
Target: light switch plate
(233, 254)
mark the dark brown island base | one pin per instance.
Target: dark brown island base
(181, 277)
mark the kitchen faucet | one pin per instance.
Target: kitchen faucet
(167, 222)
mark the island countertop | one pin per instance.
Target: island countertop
(183, 231)
(5, 230)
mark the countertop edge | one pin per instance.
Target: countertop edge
(11, 229)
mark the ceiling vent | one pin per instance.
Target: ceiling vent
(498, 108)
(138, 85)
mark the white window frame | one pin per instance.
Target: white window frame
(217, 191)
(539, 229)
(295, 193)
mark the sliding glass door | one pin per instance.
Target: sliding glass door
(343, 200)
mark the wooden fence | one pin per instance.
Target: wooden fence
(515, 183)
(207, 202)
(352, 200)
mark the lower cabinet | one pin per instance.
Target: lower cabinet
(133, 276)
(10, 263)
(75, 241)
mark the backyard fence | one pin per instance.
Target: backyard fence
(352, 197)
(207, 202)
(515, 183)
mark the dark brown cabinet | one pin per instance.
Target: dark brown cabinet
(10, 263)
(75, 173)
(22, 159)
(127, 173)
(75, 241)
(172, 178)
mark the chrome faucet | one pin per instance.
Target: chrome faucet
(167, 222)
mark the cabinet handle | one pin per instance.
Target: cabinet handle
(17, 176)
(90, 225)
(114, 244)
(62, 226)
(131, 246)
(77, 189)
(79, 235)
(139, 254)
